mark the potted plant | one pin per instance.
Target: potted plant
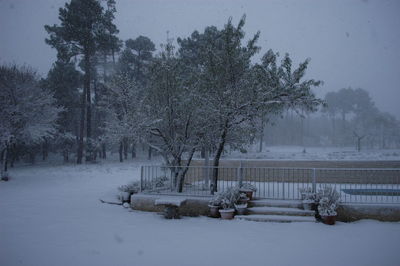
(241, 204)
(215, 204)
(227, 212)
(228, 200)
(308, 198)
(248, 189)
(327, 205)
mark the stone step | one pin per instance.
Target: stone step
(280, 211)
(276, 203)
(275, 218)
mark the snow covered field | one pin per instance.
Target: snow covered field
(51, 215)
(314, 153)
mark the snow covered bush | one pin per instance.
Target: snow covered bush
(308, 196)
(328, 202)
(132, 188)
(226, 199)
(156, 183)
(216, 200)
(247, 187)
(127, 190)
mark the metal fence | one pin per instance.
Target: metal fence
(355, 185)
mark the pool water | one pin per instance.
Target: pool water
(372, 192)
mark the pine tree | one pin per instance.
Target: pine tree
(84, 26)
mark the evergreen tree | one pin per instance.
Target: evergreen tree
(84, 26)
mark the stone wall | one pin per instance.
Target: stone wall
(381, 212)
(194, 206)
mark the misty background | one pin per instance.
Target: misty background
(116, 94)
(350, 43)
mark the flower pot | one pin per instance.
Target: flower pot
(329, 220)
(241, 209)
(227, 214)
(214, 211)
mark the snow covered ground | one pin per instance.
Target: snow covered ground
(51, 215)
(314, 153)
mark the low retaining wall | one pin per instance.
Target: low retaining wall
(196, 206)
(381, 212)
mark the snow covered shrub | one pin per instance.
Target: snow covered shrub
(127, 190)
(308, 196)
(328, 202)
(248, 186)
(132, 188)
(156, 183)
(226, 199)
(216, 200)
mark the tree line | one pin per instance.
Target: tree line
(349, 118)
(204, 92)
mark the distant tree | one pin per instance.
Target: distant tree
(28, 113)
(124, 103)
(84, 26)
(136, 57)
(64, 81)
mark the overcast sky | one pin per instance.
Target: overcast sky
(350, 43)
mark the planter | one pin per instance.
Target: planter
(227, 214)
(214, 211)
(241, 209)
(329, 220)
(249, 193)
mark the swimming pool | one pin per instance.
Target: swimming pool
(373, 192)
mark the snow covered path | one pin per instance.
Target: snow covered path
(53, 216)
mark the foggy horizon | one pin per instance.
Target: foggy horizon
(350, 43)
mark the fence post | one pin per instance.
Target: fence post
(141, 178)
(314, 181)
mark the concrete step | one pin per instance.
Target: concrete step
(276, 203)
(279, 211)
(275, 218)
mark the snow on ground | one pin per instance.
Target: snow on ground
(51, 215)
(314, 153)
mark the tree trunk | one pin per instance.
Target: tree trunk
(12, 154)
(45, 149)
(207, 167)
(126, 143)
(181, 177)
(66, 156)
(203, 152)
(260, 149)
(81, 128)
(5, 163)
(121, 146)
(104, 153)
(218, 154)
(133, 150)
(149, 154)
(86, 84)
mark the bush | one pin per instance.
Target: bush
(329, 200)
